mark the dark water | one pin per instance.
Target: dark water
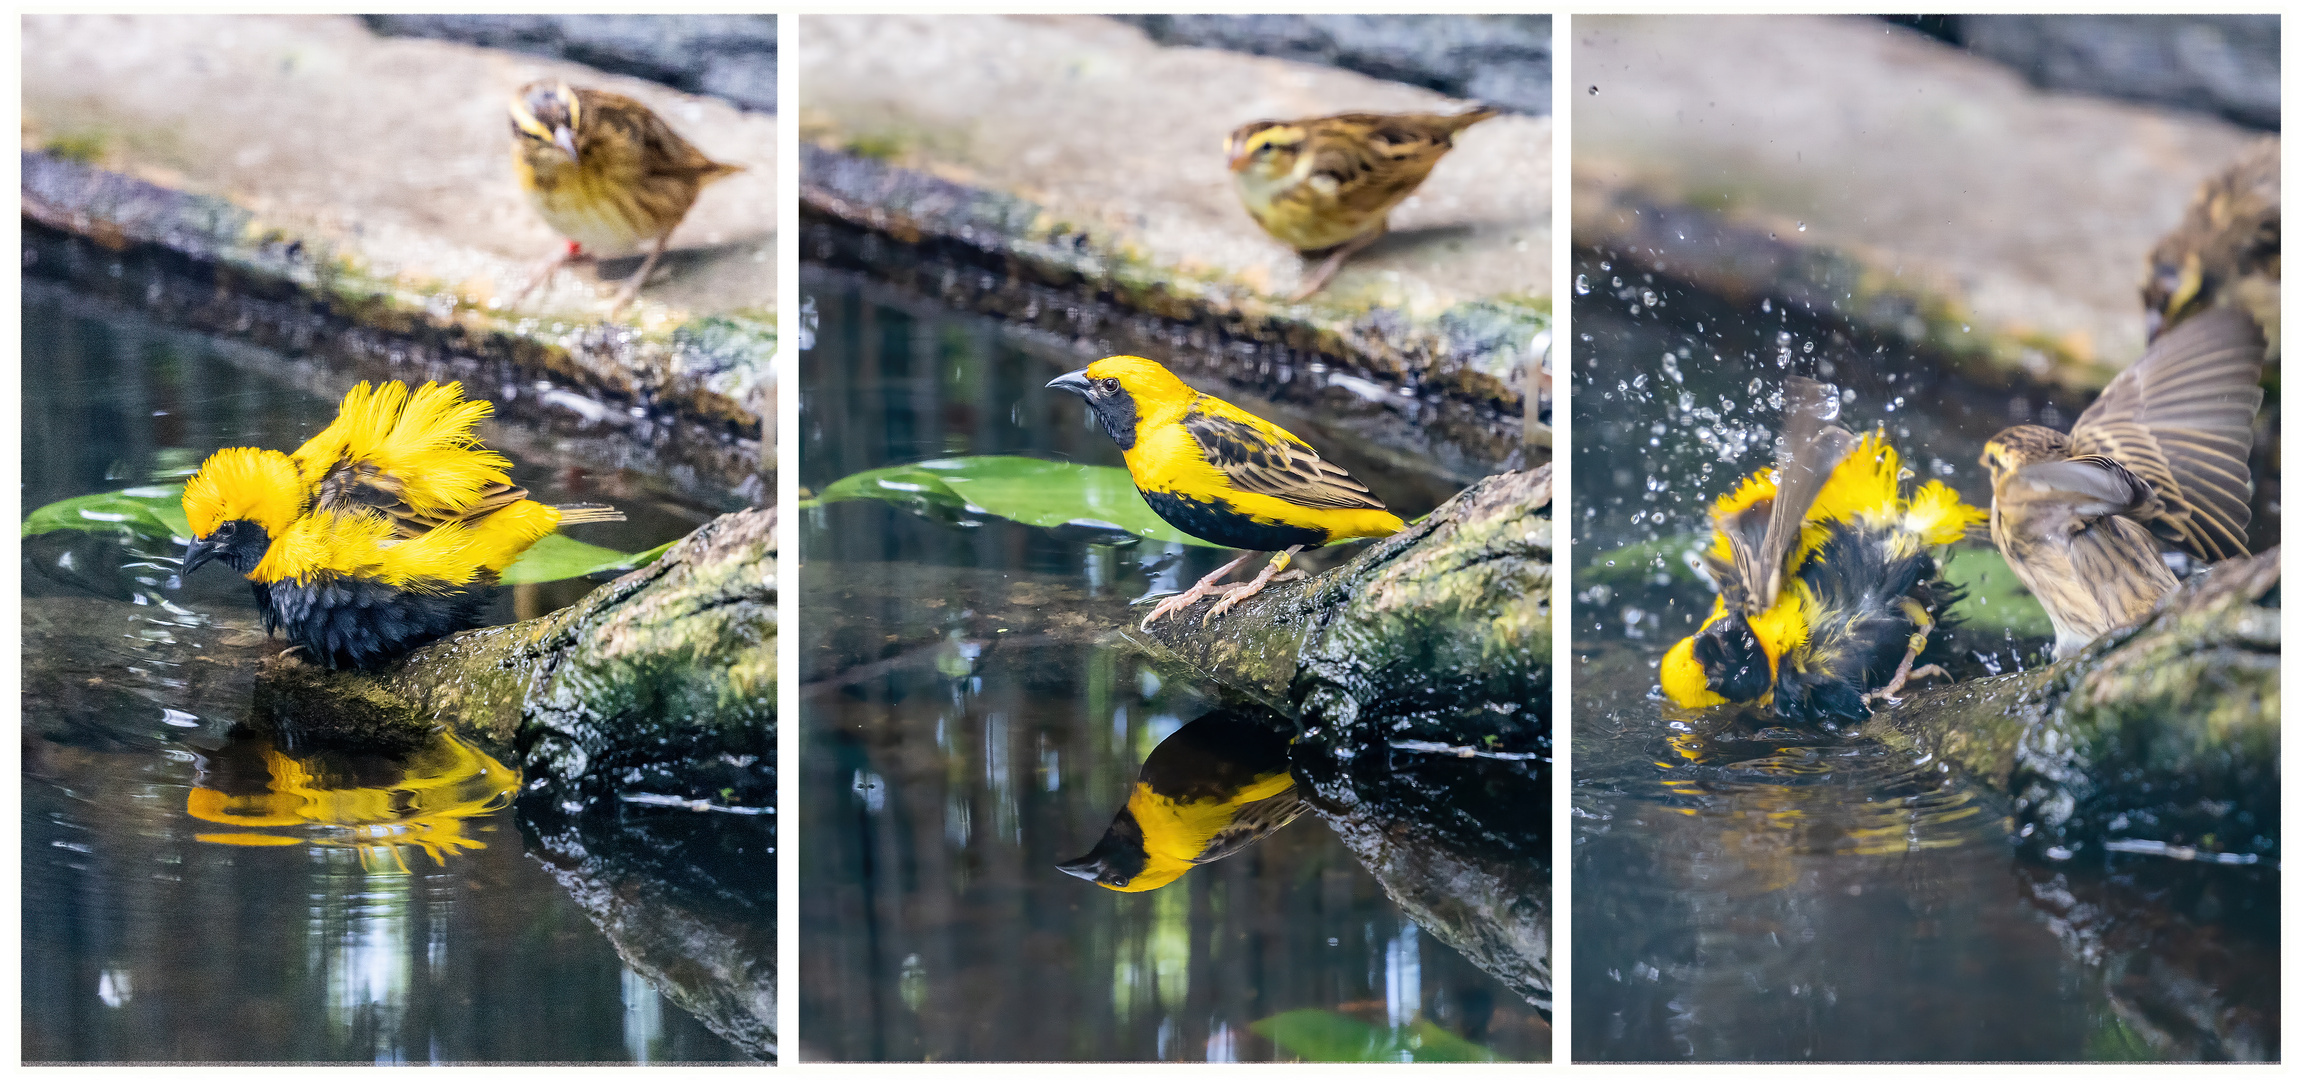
(193, 893)
(1745, 890)
(962, 735)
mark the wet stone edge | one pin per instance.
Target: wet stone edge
(1448, 388)
(211, 267)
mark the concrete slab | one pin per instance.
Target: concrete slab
(1090, 120)
(381, 168)
(1912, 187)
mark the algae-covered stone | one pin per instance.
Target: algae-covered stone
(2161, 736)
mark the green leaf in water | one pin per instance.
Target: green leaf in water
(156, 514)
(147, 513)
(1320, 1035)
(557, 558)
(1050, 494)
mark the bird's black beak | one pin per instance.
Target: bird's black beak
(1085, 867)
(202, 552)
(565, 140)
(1077, 383)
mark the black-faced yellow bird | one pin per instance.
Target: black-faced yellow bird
(1222, 474)
(1218, 784)
(2225, 252)
(1327, 184)
(2158, 461)
(607, 173)
(383, 532)
(1829, 578)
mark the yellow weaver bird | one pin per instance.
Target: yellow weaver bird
(2225, 251)
(2158, 461)
(1222, 474)
(383, 532)
(1218, 784)
(1327, 184)
(607, 173)
(1829, 578)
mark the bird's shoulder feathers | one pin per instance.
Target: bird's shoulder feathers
(1255, 455)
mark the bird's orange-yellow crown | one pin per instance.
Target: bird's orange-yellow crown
(244, 483)
(1147, 381)
(424, 440)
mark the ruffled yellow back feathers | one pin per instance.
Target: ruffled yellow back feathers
(424, 440)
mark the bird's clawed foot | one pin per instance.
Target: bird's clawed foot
(572, 253)
(292, 651)
(1205, 588)
(1334, 262)
(1271, 573)
(630, 290)
(1889, 693)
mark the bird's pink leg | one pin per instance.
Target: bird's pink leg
(1204, 589)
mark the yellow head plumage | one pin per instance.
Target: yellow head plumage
(244, 483)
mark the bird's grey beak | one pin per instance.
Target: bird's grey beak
(1087, 867)
(201, 553)
(565, 140)
(1074, 381)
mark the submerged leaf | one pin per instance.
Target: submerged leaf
(147, 513)
(557, 558)
(1097, 503)
(1320, 1035)
(156, 515)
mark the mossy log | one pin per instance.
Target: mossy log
(2165, 732)
(1418, 679)
(662, 678)
(1456, 607)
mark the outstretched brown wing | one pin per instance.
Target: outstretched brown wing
(2181, 419)
(1813, 445)
(1256, 457)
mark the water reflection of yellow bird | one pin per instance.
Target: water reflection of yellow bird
(369, 803)
(1218, 784)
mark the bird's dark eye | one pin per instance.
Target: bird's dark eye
(1108, 386)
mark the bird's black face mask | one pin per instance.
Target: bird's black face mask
(240, 544)
(1733, 661)
(1112, 404)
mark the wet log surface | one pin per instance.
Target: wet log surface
(2164, 733)
(661, 681)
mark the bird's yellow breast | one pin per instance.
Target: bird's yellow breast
(1177, 831)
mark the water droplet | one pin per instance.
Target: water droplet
(1808, 348)
(1766, 305)
(1582, 285)
(1647, 297)
(1594, 90)
(1802, 226)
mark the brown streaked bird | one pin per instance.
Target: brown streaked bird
(2158, 460)
(1327, 184)
(607, 173)
(2225, 251)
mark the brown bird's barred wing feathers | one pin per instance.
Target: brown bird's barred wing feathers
(1371, 174)
(1813, 446)
(665, 152)
(1255, 456)
(2181, 420)
(1256, 820)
